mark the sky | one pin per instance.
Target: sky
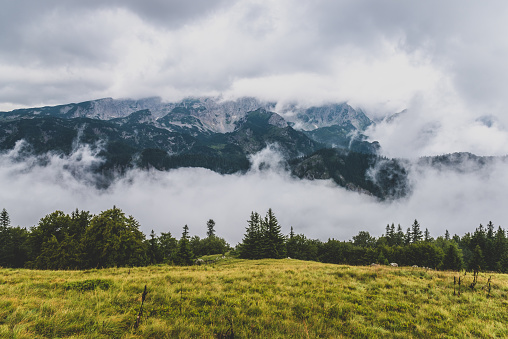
(441, 63)
(445, 62)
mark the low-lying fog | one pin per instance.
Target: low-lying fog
(166, 201)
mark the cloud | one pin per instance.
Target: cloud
(165, 201)
(439, 124)
(377, 55)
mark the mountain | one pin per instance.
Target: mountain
(364, 173)
(214, 114)
(325, 142)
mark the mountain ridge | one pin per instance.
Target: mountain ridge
(317, 143)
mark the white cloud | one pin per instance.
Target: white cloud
(165, 201)
(382, 56)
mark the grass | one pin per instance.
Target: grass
(252, 299)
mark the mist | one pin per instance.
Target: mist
(34, 186)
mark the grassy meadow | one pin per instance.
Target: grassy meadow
(252, 299)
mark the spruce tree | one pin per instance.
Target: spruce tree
(168, 246)
(427, 236)
(5, 221)
(184, 255)
(408, 237)
(153, 249)
(251, 244)
(500, 247)
(390, 234)
(274, 238)
(478, 260)
(453, 258)
(399, 236)
(416, 233)
(490, 231)
(447, 235)
(210, 226)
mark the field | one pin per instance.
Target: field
(252, 299)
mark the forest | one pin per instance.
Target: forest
(81, 240)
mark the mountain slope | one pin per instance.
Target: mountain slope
(210, 133)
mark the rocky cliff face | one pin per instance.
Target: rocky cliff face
(214, 114)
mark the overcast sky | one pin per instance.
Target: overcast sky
(443, 61)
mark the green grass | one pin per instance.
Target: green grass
(258, 299)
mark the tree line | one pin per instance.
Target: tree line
(484, 249)
(81, 240)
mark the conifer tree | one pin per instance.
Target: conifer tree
(399, 236)
(390, 233)
(408, 237)
(210, 226)
(154, 255)
(488, 252)
(416, 233)
(5, 220)
(252, 241)
(447, 235)
(168, 246)
(427, 236)
(500, 247)
(478, 260)
(275, 242)
(184, 254)
(490, 231)
(453, 258)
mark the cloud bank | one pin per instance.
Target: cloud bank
(166, 201)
